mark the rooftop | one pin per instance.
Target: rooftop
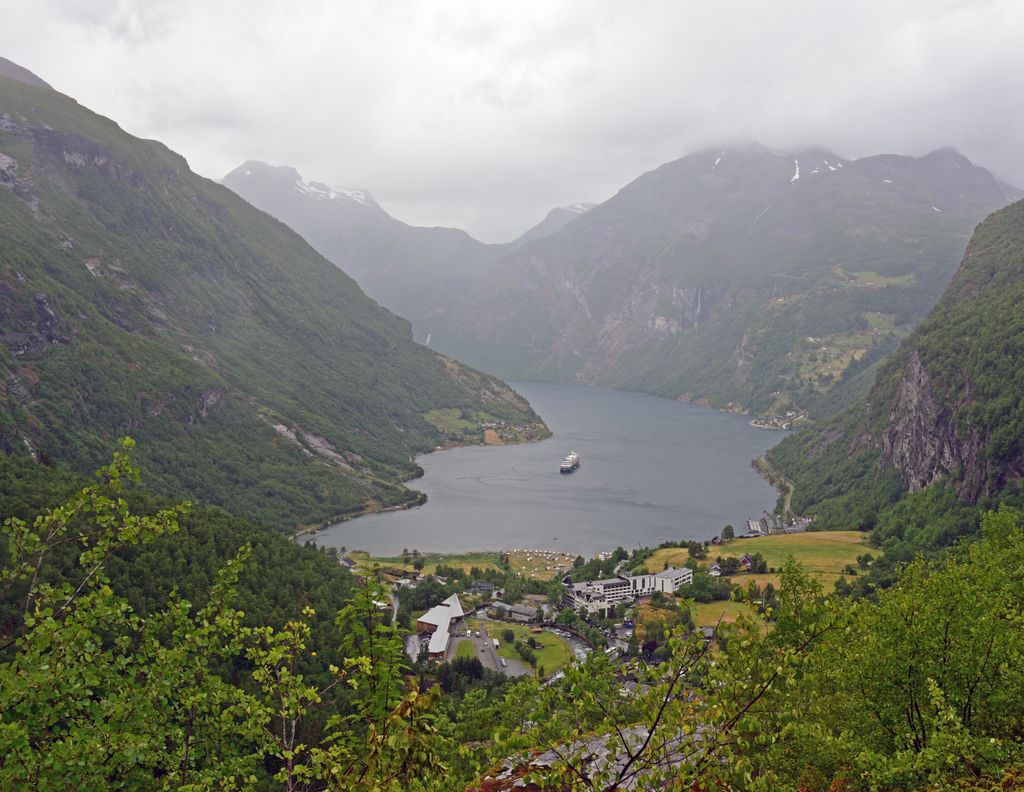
(442, 616)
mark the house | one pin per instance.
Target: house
(716, 540)
(525, 614)
(439, 622)
(481, 588)
(746, 562)
(715, 570)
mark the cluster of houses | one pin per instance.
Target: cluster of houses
(596, 596)
(746, 562)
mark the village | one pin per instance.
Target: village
(531, 611)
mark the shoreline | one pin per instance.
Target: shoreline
(311, 532)
(420, 497)
(777, 481)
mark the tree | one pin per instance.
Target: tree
(739, 713)
(909, 687)
(728, 533)
(96, 696)
(508, 636)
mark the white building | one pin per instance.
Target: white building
(669, 580)
(438, 622)
(598, 595)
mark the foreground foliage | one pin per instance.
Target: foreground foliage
(97, 696)
(920, 687)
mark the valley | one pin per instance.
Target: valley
(714, 483)
(718, 278)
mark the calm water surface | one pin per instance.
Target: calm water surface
(650, 469)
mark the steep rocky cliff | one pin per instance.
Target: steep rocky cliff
(946, 410)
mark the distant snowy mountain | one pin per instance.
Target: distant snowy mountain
(417, 272)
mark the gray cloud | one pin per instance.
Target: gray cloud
(485, 115)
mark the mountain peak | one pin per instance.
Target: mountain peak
(253, 170)
(13, 71)
(946, 152)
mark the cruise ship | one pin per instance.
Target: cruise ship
(570, 463)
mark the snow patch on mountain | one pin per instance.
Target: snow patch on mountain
(324, 192)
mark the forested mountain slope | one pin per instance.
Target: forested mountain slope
(738, 276)
(139, 298)
(942, 429)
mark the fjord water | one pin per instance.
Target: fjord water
(651, 469)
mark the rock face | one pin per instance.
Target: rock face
(922, 440)
(947, 406)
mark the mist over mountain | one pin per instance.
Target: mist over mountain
(419, 273)
(138, 298)
(738, 276)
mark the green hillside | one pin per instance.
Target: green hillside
(941, 432)
(139, 298)
(741, 277)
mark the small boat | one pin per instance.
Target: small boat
(570, 463)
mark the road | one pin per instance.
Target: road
(484, 649)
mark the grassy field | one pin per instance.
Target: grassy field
(450, 420)
(464, 561)
(823, 554)
(667, 556)
(707, 614)
(820, 552)
(553, 654)
(877, 280)
(465, 649)
(540, 564)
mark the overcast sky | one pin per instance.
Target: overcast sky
(485, 114)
